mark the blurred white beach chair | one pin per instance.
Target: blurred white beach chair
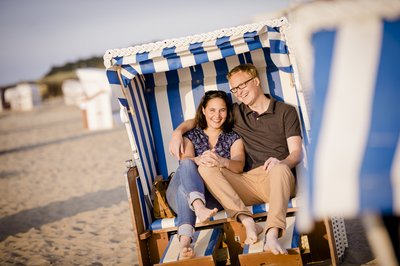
(99, 104)
(72, 91)
(162, 84)
(23, 97)
(353, 51)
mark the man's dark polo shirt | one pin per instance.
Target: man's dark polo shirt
(264, 135)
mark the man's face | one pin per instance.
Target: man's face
(245, 87)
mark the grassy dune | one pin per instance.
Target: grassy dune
(53, 82)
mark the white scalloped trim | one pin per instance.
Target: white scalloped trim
(184, 41)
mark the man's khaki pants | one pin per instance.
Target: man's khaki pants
(236, 191)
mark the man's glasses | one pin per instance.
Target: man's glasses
(241, 86)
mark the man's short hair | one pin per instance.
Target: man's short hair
(248, 68)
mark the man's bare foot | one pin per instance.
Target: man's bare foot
(252, 229)
(202, 212)
(187, 251)
(271, 242)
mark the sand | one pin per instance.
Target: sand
(63, 199)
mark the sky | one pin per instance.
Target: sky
(37, 35)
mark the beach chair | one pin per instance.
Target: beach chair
(355, 50)
(162, 84)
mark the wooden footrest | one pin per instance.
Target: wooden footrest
(293, 258)
(205, 244)
(254, 254)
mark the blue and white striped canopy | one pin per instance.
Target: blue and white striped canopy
(354, 155)
(164, 82)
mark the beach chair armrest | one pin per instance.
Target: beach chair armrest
(145, 235)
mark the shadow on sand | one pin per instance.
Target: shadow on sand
(72, 138)
(34, 218)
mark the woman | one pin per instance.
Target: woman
(211, 143)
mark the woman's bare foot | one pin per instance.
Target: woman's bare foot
(252, 229)
(202, 212)
(187, 251)
(271, 242)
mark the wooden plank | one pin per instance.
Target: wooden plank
(319, 243)
(205, 248)
(198, 225)
(267, 258)
(220, 221)
(202, 261)
(136, 215)
(156, 246)
(331, 241)
(235, 234)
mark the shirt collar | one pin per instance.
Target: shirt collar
(270, 110)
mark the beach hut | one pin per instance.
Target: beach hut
(162, 84)
(348, 52)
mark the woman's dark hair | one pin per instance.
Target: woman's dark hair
(200, 118)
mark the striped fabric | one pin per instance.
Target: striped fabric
(142, 183)
(204, 243)
(255, 209)
(354, 157)
(290, 239)
(163, 87)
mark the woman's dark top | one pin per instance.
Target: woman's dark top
(200, 142)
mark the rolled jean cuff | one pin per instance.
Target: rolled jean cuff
(194, 196)
(186, 230)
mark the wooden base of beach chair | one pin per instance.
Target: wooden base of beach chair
(205, 245)
(254, 254)
(321, 244)
(267, 258)
(152, 244)
(236, 235)
(156, 245)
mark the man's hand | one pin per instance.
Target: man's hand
(176, 145)
(271, 162)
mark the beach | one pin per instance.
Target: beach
(63, 198)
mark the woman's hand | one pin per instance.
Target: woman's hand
(211, 159)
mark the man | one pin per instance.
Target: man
(272, 138)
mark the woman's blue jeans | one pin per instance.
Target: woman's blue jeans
(185, 187)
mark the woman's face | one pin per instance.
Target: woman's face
(215, 113)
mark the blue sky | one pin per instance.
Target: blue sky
(36, 35)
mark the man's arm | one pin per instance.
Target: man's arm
(176, 143)
(295, 152)
(188, 148)
(294, 158)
